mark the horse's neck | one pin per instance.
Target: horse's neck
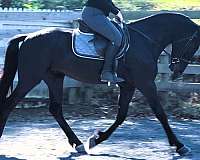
(154, 31)
(165, 28)
(164, 25)
(153, 27)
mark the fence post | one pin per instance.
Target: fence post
(164, 59)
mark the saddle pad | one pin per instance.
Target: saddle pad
(83, 45)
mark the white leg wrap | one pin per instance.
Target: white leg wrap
(91, 141)
(80, 149)
(184, 151)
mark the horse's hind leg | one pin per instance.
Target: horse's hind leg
(55, 85)
(19, 92)
(126, 94)
(150, 92)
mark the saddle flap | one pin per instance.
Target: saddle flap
(88, 44)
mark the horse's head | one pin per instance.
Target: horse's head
(183, 51)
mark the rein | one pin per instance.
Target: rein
(149, 38)
(175, 60)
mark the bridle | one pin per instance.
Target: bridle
(175, 60)
(186, 47)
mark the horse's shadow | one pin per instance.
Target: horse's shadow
(75, 155)
(72, 156)
(190, 156)
(3, 157)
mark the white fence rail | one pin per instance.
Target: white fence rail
(17, 21)
(165, 84)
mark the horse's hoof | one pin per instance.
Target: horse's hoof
(91, 142)
(81, 149)
(184, 151)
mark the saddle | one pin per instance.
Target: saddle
(86, 43)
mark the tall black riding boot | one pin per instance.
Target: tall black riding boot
(108, 74)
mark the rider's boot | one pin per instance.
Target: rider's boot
(108, 74)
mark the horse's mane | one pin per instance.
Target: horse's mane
(157, 16)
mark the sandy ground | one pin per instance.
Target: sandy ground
(32, 134)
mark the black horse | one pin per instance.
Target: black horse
(47, 55)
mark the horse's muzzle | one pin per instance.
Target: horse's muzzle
(176, 71)
(176, 76)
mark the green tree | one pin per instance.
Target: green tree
(6, 3)
(44, 4)
(62, 4)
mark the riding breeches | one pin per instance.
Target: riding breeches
(98, 22)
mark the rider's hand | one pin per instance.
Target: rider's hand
(119, 17)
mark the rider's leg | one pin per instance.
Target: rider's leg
(97, 21)
(108, 73)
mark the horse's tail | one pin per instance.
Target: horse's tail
(10, 66)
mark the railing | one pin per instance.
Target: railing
(16, 21)
(165, 84)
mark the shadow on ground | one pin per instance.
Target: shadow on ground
(94, 156)
(2, 157)
(29, 137)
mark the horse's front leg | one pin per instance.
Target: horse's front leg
(150, 92)
(126, 93)
(55, 85)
